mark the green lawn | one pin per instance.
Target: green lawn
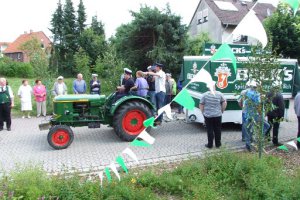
(15, 83)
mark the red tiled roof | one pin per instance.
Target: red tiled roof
(4, 43)
(14, 46)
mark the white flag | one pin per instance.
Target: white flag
(167, 110)
(292, 143)
(252, 27)
(204, 77)
(144, 135)
(114, 169)
(130, 153)
(101, 177)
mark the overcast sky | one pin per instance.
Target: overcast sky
(17, 16)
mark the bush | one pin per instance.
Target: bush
(10, 68)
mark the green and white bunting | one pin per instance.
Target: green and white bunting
(107, 173)
(101, 178)
(298, 139)
(167, 110)
(149, 122)
(184, 98)
(292, 143)
(283, 147)
(138, 143)
(114, 169)
(121, 162)
(223, 52)
(130, 153)
(144, 135)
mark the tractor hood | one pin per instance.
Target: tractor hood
(80, 98)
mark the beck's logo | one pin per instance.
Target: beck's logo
(222, 72)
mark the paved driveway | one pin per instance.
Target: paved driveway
(93, 149)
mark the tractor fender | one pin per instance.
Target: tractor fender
(128, 98)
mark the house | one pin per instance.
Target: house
(13, 51)
(3, 46)
(219, 18)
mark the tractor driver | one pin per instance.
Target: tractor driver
(124, 90)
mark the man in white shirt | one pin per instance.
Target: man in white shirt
(6, 103)
(160, 88)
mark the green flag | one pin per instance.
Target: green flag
(298, 139)
(149, 122)
(282, 147)
(138, 143)
(294, 5)
(184, 98)
(107, 174)
(224, 51)
(121, 162)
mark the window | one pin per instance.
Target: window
(199, 18)
(241, 39)
(205, 15)
(19, 56)
(223, 5)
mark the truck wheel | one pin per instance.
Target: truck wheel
(128, 120)
(60, 136)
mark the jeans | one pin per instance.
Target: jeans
(168, 99)
(249, 130)
(244, 131)
(298, 143)
(151, 94)
(213, 126)
(160, 102)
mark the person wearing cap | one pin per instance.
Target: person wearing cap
(59, 87)
(124, 90)
(277, 114)
(122, 76)
(95, 85)
(151, 82)
(160, 88)
(212, 105)
(79, 85)
(251, 101)
(297, 112)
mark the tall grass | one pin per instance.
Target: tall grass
(223, 176)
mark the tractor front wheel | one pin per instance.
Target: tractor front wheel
(128, 120)
(60, 136)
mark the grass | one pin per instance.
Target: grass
(223, 176)
(15, 83)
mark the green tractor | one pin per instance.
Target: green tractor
(125, 115)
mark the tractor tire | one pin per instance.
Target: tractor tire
(128, 120)
(60, 136)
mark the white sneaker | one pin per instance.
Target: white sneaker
(28, 117)
(23, 117)
(38, 116)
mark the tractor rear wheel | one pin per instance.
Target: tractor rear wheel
(60, 136)
(128, 120)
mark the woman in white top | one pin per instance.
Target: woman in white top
(25, 92)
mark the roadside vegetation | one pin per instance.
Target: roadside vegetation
(222, 176)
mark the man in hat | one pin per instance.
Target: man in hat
(95, 86)
(151, 82)
(59, 87)
(122, 76)
(124, 89)
(160, 88)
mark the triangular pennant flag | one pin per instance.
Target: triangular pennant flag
(149, 122)
(251, 26)
(167, 110)
(184, 98)
(204, 77)
(144, 135)
(292, 143)
(101, 177)
(282, 147)
(114, 169)
(298, 139)
(130, 153)
(294, 4)
(224, 51)
(121, 162)
(137, 143)
(107, 172)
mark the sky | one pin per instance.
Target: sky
(18, 16)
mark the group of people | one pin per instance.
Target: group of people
(159, 86)
(213, 104)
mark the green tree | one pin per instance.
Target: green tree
(97, 26)
(110, 69)
(153, 35)
(264, 68)
(81, 18)
(283, 33)
(38, 57)
(82, 63)
(93, 44)
(195, 45)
